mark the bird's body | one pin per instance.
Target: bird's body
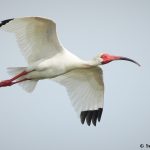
(48, 59)
(50, 68)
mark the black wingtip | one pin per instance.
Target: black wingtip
(100, 114)
(94, 117)
(91, 116)
(83, 116)
(5, 22)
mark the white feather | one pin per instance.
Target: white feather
(36, 37)
(13, 71)
(85, 88)
(28, 85)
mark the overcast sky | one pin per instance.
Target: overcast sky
(45, 119)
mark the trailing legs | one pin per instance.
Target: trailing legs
(12, 81)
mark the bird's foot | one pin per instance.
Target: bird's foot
(6, 83)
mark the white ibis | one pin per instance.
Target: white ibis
(48, 59)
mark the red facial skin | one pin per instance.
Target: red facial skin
(108, 58)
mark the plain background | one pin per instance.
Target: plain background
(45, 119)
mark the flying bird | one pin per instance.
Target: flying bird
(48, 59)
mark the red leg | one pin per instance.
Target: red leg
(19, 75)
(5, 83)
(10, 81)
(20, 81)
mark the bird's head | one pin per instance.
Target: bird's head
(106, 58)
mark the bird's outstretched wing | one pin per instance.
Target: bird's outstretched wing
(36, 37)
(86, 91)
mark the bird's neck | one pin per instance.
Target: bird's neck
(91, 63)
(80, 63)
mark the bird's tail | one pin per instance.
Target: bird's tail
(27, 85)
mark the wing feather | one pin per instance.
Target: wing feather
(86, 91)
(37, 37)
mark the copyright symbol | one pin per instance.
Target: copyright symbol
(142, 145)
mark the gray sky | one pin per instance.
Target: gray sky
(45, 120)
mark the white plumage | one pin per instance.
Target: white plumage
(48, 59)
(85, 88)
(36, 37)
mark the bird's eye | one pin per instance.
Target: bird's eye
(103, 56)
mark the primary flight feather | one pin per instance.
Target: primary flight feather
(48, 59)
